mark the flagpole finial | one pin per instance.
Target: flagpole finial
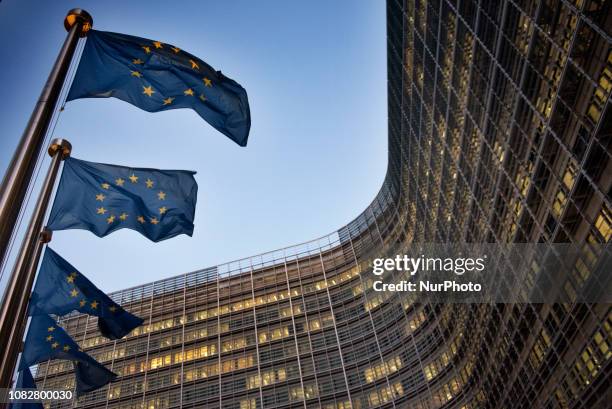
(60, 144)
(79, 16)
(46, 235)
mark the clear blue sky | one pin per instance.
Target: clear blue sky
(315, 73)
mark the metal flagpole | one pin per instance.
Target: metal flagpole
(17, 178)
(14, 309)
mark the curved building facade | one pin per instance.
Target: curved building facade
(500, 126)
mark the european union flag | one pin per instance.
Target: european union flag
(101, 198)
(25, 380)
(60, 288)
(47, 340)
(156, 76)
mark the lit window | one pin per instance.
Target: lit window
(603, 223)
(248, 404)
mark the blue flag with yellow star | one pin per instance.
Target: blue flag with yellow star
(47, 340)
(102, 198)
(60, 288)
(156, 76)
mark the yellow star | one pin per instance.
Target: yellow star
(154, 220)
(112, 309)
(136, 74)
(202, 97)
(54, 345)
(100, 197)
(176, 50)
(119, 181)
(148, 90)
(50, 338)
(70, 279)
(146, 49)
(157, 44)
(149, 183)
(74, 274)
(207, 82)
(168, 101)
(94, 305)
(123, 216)
(110, 219)
(140, 219)
(137, 61)
(161, 195)
(82, 303)
(105, 186)
(133, 178)
(194, 64)
(100, 210)
(50, 329)
(162, 210)
(188, 91)
(74, 292)
(66, 348)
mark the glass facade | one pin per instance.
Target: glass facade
(500, 130)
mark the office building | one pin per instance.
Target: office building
(500, 130)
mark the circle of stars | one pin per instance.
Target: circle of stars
(83, 302)
(53, 343)
(147, 89)
(122, 217)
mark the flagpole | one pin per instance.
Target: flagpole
(13, 312)
(19, 173)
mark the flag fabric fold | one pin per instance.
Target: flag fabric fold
(47, 340)
(25, 380)
(102, 198)
(156, 76)
(60, 288)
